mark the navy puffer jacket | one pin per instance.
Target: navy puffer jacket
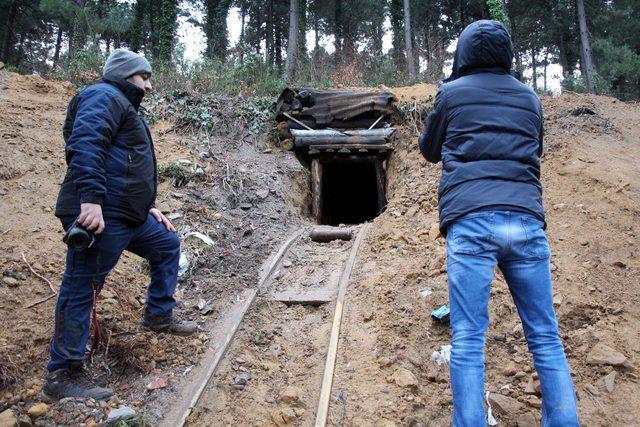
(486, 127)
(109, 154)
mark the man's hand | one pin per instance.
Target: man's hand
(161, 218)
(91, 217)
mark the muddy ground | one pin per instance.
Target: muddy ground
(249, 199)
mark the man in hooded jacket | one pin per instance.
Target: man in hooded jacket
(486, 128)
(110, 190)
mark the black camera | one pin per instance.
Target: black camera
(78, 238)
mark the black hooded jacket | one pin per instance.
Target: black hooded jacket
(486, 127)
(109, 153)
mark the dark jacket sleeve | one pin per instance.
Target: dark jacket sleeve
(541, 132)
(432, 138)
(97, 119)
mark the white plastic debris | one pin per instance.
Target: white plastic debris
(443, 356)
(204, 307)
(120, 414)
(425, 292)
(206, 239)
(490, 419)
(183, 264)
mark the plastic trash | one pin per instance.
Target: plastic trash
(206, 239)
(441, 315)
(425, 292)
(443, 356)
(490, 419)
(183, 264)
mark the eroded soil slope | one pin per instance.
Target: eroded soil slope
(591, 175)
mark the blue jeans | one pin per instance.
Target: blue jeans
(85, 268)
(516, 243)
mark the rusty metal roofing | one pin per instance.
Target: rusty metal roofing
(327, 105)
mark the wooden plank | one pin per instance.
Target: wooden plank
(314, 298)
(205, 370)
(316, 190)
(202, 374)
(329, 367)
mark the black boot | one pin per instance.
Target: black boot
(73, 382)
(169, 325)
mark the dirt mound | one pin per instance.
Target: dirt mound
(223, 199)
(592, 197)
(249, 199)
(420, 93)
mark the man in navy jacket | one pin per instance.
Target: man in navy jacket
(486, 128)
(110, 189)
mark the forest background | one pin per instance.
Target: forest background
(594, 43)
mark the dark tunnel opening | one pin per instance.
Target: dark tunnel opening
(351, 191)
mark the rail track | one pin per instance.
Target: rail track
(285, 375)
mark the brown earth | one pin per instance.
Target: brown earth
(384, 375)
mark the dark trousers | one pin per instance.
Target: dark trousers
(90, 267)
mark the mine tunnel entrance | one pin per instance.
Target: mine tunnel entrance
(344, 136)
(347, 190)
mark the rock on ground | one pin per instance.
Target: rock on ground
(609, 381)
(404, 378)
(38, 410)
(602, 354)
(504, 405)
(120, 414)
(291, 396)
(8, 418)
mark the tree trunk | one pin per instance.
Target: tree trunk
(302, 30)
(534, 69)
(338, 30)
(395, 9)
(20, 50)
(411, 66)
(278, 42)
(586, 47)
(138, 26)
(8, 35)
(167, 25)
(216, 28)
(546, 63)
(269, 35)
(316, 35)
(292, 46)
(56, 53)
(241, 41)
(562, 54)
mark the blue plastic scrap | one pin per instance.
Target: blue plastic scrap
(441, 314)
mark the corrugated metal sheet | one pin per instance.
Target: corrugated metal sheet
(325, 106)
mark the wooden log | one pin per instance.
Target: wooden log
(283, 130)
(201, 375)
(330, 148)
(316, 190)
(328, 234)
(332, 132)
(305, 142)
(329, 367)
(337, 124)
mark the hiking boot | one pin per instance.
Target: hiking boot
(169, 325)
(73, 382)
